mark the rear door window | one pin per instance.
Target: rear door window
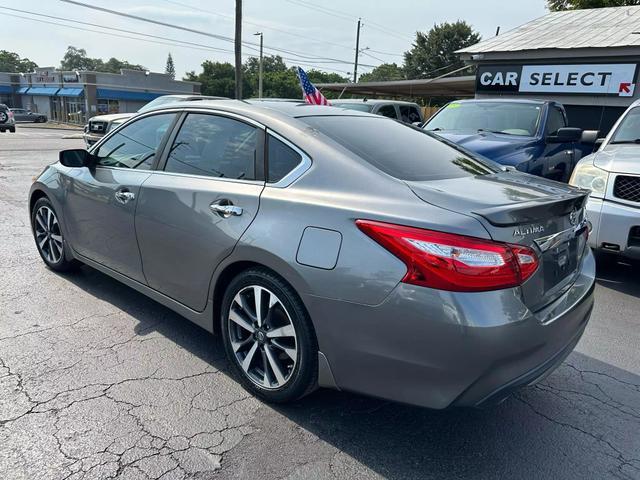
(409, 114)
(404, 152)
(388, 111)
(214, 146)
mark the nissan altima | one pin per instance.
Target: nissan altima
(330, 248)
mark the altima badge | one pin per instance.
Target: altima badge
(529, 230)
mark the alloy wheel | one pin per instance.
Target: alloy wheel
(263, 337)
(48, 234)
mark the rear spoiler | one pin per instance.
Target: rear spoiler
(534, 210)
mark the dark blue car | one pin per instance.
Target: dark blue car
(530, 135)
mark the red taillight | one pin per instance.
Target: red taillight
(453, 262)
(10, 114)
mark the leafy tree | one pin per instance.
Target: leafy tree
(170, 69)
(77, 59)
(12, 63)
(384, 72)
(557, 5)
(217, 78)
(433, 53)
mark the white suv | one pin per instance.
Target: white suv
(613, 176)
(7, 121)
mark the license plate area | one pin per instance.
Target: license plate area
(562, 260)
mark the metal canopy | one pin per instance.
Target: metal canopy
(439, 87)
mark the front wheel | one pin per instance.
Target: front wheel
(268, 337)
(48, 236)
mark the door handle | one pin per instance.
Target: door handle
(124, 196)
(225, 208)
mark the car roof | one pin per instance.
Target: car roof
(289, 109)
(504, 100)
(372, 101)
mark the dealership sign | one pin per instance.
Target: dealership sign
(597, 79)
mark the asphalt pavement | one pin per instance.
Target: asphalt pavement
(98, 381)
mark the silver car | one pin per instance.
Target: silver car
(613, 176)
(24, 115)
(330, 248)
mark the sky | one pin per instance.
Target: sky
(314, 34)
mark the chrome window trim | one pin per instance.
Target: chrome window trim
(298, 170)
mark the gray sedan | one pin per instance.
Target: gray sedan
(330, 248)
(23, 115)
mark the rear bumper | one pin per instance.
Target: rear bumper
(612, 224)
(439, 349)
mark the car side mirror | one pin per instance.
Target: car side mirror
(76, 158)
(566, 135)
(589, 137)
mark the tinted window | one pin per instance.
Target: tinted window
(404, 152)
(388, 111)
(555, 121)
(361, 107)
(629, 129)
(214, 146)
(507, 118)
(282, 159)
(409, 114)
(136, 145)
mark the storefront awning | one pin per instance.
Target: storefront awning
(109, 94)
(23, 90)
(70, 92)
(43, 91)
(6, 89)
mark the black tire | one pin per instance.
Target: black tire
(2, 130)
(53, 253)
(303, 375)
(12, 129)
(42, 119)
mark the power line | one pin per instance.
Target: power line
(250, 45)
(170, 42)
(259, 25)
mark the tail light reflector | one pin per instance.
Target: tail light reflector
(452, 262)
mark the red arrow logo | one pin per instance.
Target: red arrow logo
(624, 87)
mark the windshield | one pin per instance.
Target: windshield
(361, 107)
(159, 101)
(497, 117)
(629, 129)
(399, 150)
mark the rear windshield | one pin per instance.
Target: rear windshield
(399, 150)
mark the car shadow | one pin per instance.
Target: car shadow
(580, 422)
(620, 275)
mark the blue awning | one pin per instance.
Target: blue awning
(23, 90)
(70, 92)
(6, 89)
(109, 94)
(44, 91)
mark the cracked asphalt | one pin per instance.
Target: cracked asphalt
(97, 381)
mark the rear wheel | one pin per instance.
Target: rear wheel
(268, 337)
(12, 129)
(48, 236)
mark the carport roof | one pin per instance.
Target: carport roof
(438, 87)
(571, 29)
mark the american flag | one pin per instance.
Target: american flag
(311, 94)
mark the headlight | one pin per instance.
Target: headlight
(590, 177)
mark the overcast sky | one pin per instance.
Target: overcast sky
(321, 37)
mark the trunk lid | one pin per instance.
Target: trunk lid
(522, 209)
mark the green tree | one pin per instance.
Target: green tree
(433, 53)
(12, 63)
(218, 78)
(557, 5)
(170, 69)
(77, 59)
(382, 73)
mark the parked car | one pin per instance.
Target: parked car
(530, 135)
(613, 176)
(23, 115)
(7, 123)
(99, 125)
(330, 247)
(407, 112)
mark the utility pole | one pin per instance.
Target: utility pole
(238, 49)
(260, 68)
(355, 65)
